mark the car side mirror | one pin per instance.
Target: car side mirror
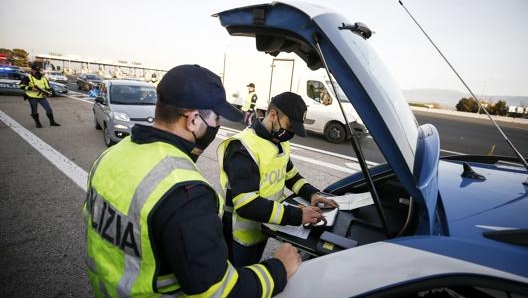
(99, 99)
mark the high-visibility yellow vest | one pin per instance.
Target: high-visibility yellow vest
(248, 101)
(122, 192)
(272, 167)
(42, 84)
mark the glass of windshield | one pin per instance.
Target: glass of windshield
(133, 95)
(92, 77)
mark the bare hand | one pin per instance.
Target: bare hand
(317, 199)
(311, 215)
(290, 258)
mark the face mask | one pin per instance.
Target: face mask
(209, 135)
(283, 135)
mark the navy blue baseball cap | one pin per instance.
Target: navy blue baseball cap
(293, 106)
(195, 87)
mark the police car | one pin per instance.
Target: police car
(454, 226)
(10, 77)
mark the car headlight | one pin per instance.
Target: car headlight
(120, 116)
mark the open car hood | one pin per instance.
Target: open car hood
(319, 35)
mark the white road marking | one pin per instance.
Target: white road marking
(452, 152)
(68, 167)
(226, 132)
(323, 164)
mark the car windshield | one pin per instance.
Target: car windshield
(340, 94)
(92, 77)
(133, 95)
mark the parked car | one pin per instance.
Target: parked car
(57, 76)
(120, 105)
(10, 79)
(453, 226)
(88, 81)
(57, 88)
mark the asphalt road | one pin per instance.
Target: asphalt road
(44, 174)
(458, 135)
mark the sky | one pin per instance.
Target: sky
(486, 41)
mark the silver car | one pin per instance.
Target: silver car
(57, 76)
(120, 105)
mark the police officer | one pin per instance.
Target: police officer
(255, 168)
(249, 103)
(153, 220)
(37, 88)
(154, 79)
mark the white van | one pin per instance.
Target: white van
(324, 114)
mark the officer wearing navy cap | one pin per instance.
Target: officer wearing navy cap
(37, 89)
(255, 169)
(154, 222)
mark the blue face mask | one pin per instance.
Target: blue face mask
(282, 135)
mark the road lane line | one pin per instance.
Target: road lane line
(68, 167)
(323, 164)
(226, 133)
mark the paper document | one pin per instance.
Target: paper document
(297, 231)
(352, 201)
(329, 214)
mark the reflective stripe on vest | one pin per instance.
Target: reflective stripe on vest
(121, 260)
(265, 279)
(42, 84)
(272, 168)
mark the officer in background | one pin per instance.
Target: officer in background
(154, 79)
(37, 89)
(249, 104)
(153, 220)
(255, 167)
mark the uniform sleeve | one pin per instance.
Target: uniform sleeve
(253, 101)
(244, 178)
(24, 83)
(188, 236)
(296, 182)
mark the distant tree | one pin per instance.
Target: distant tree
(6, 53)
(488, 106)
(500, 108)
(467, 105)
(20, 57)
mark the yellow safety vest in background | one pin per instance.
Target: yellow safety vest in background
(42, 84)
(122, 191)
(272, 167)
(248, 101)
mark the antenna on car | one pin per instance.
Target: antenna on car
(519, 155)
